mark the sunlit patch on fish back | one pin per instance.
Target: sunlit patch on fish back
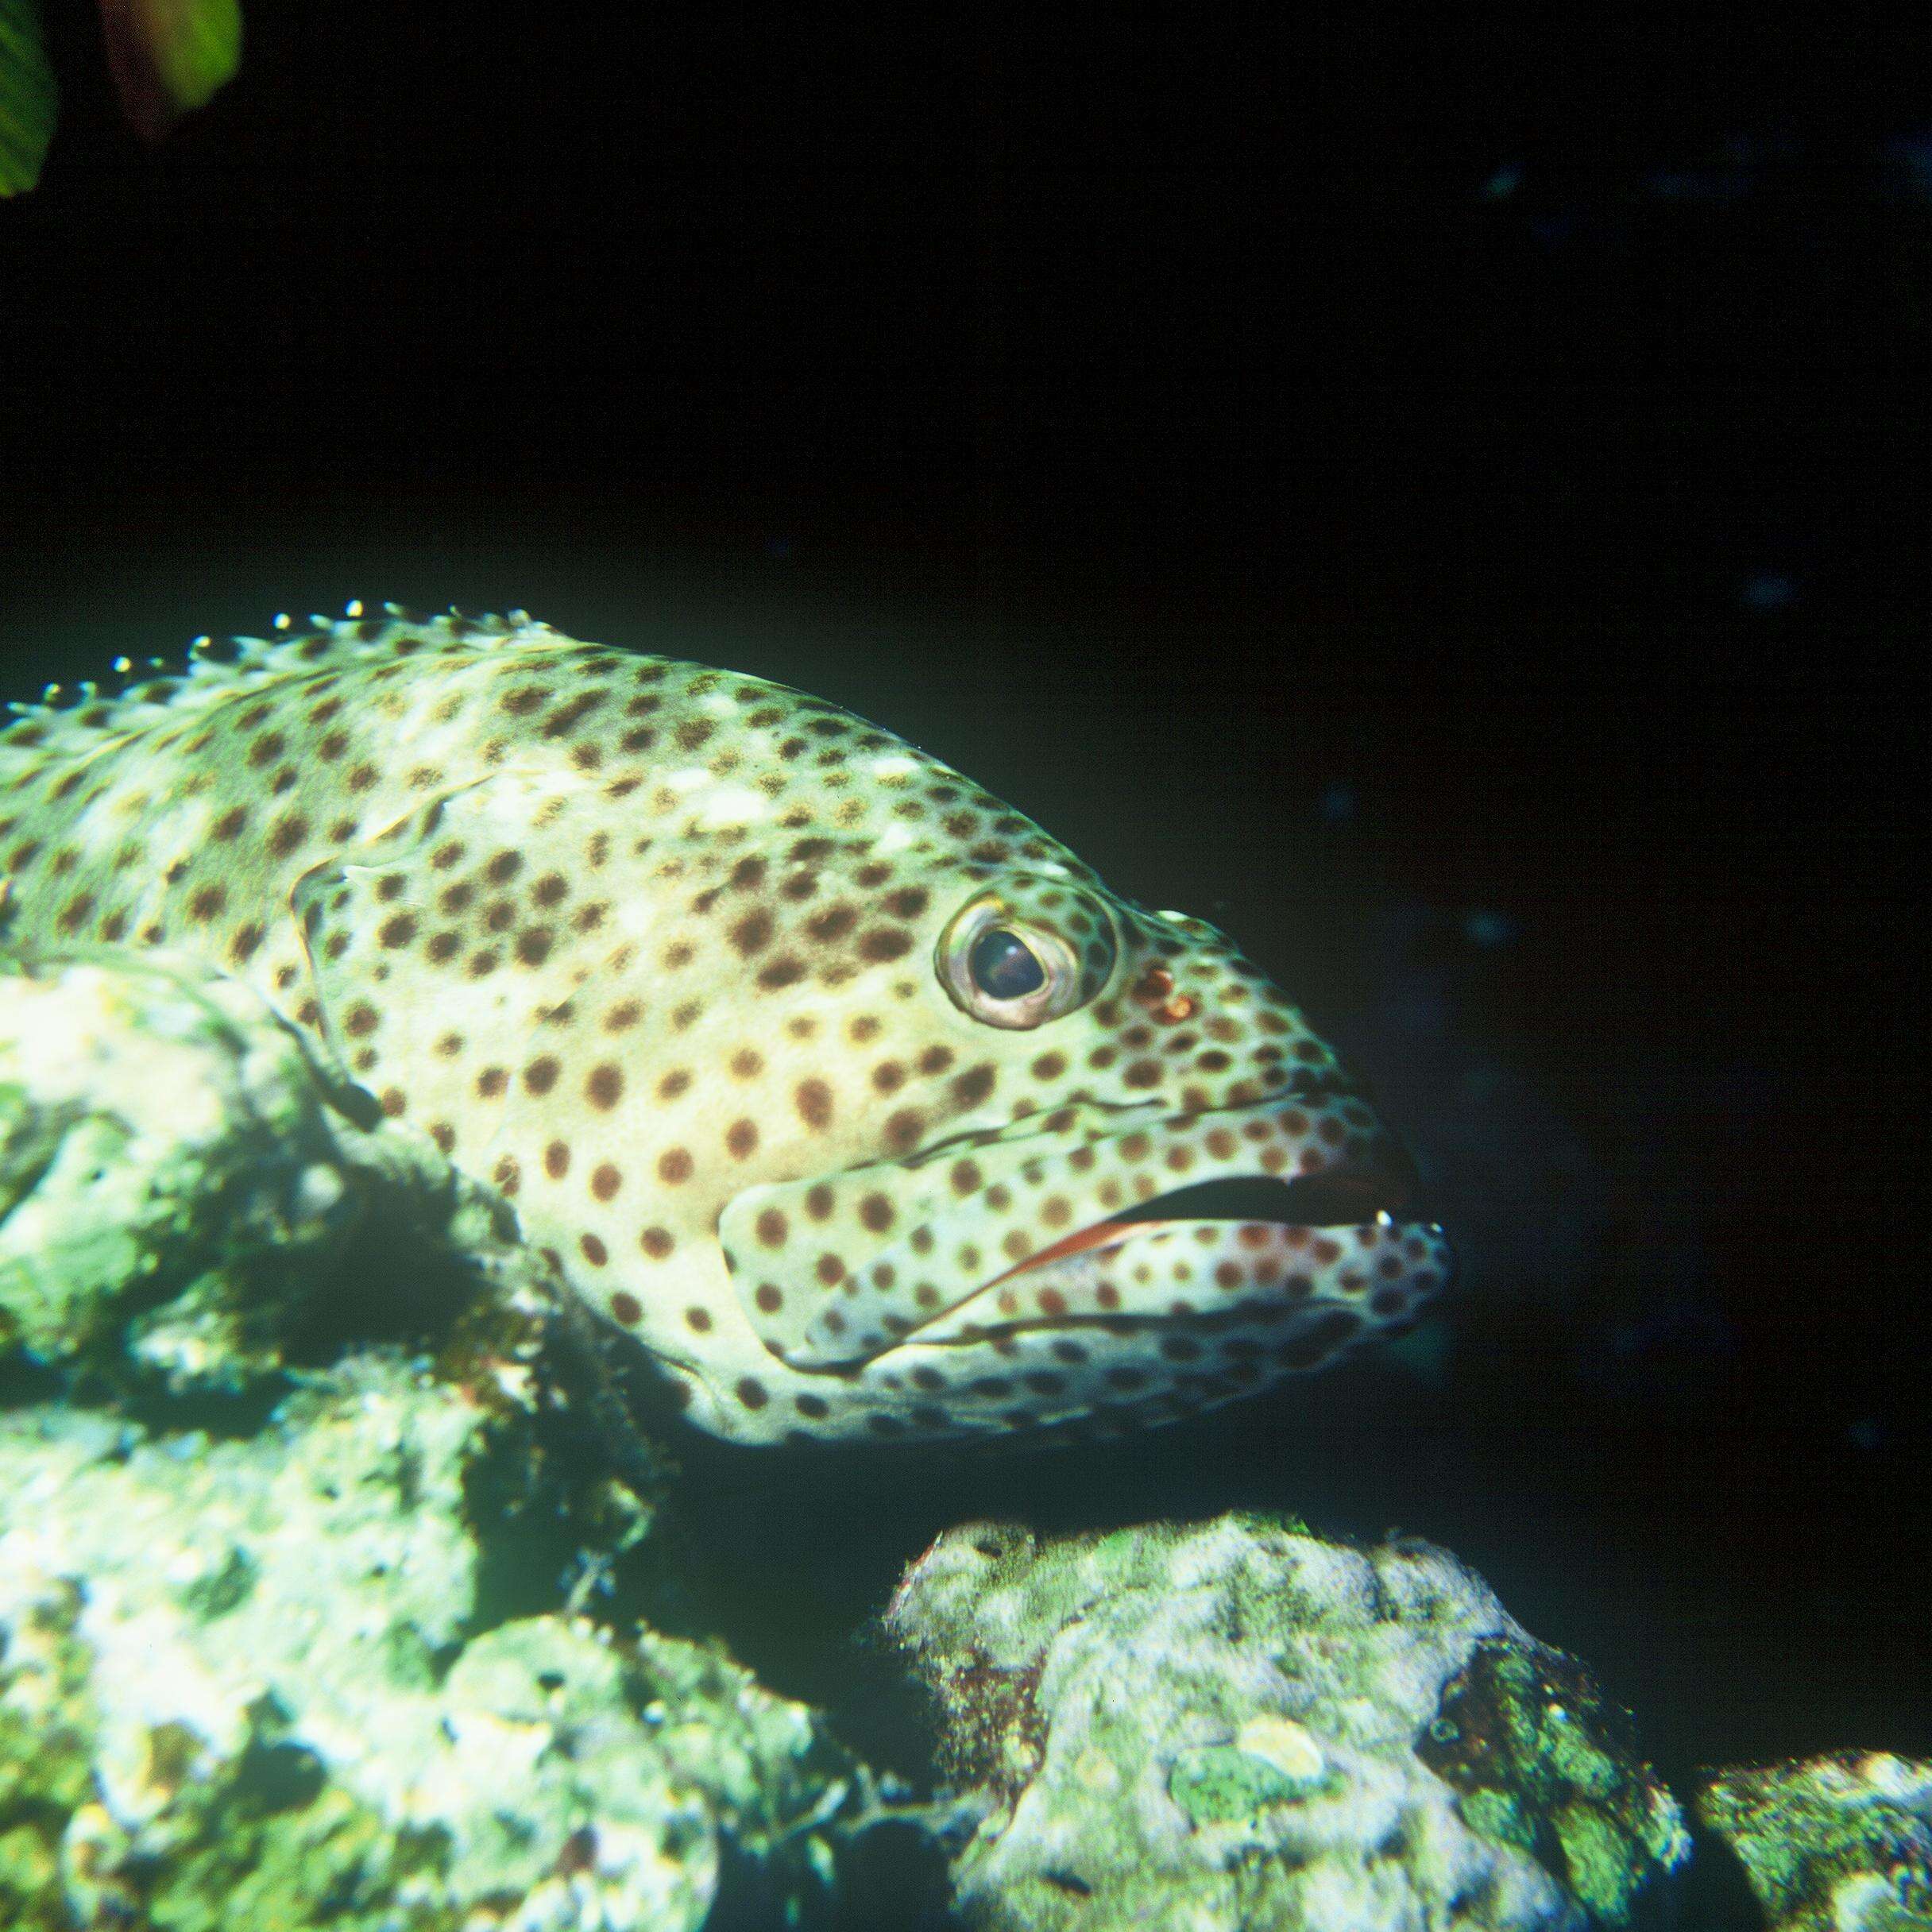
(852, 1096)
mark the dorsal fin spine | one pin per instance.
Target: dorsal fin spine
(213, 669)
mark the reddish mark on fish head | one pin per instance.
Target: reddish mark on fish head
(1154, 990)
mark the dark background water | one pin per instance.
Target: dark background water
(1449, 507)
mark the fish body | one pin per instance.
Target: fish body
(834, 1081)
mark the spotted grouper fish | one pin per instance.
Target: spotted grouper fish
(858, 1101)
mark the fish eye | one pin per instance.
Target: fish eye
(1010, 970)
(1003, 965)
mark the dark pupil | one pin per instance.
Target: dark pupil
(1003, 966)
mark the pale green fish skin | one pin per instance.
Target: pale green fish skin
(693, 968)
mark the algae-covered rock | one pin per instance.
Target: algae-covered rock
(1841, 1843)
(180, 1183)
(242, 1683)
(1231, 1724)
(1542, 1760)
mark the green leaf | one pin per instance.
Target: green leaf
(169, 56)
(29, 99)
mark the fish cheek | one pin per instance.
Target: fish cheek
(621, 1171)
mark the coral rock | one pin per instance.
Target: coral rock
(1841, 1843)
(1238, 1724)
(252, 1683)
(182, 1184)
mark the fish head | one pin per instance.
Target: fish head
(1013, 1152)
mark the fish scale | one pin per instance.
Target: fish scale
(828, 1080)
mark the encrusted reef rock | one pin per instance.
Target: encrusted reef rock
(307, 1607)
(181, 1183)
(1239, 1725)
(242, 1683)
(1837, 1844)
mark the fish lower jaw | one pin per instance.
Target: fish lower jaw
(1085, 1346)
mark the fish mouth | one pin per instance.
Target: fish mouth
(1257, 1226)
(1341, 1197)
(1282, 1218)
